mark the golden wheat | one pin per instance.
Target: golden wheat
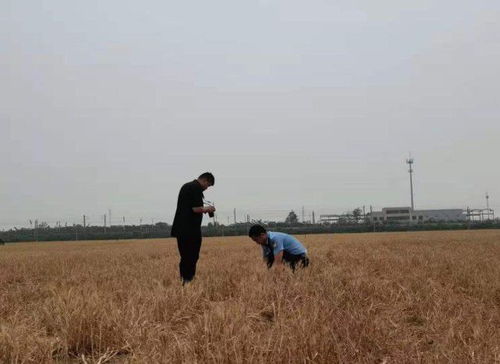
(366, 298)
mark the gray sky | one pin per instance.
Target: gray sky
(114, 104)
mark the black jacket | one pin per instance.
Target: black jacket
(186, 222)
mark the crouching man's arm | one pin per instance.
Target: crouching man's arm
(278, 260)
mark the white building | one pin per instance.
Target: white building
(405, 215)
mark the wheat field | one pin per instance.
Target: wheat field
(426, 297)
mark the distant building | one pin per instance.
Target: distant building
(480, 214)
(406, 215)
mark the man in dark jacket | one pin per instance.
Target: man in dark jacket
(187, 223)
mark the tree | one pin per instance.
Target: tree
(343, 219)
(356, 213)
(292, 218)
(161, 225)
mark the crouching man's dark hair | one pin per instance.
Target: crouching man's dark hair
(256, 230)
(209, 177)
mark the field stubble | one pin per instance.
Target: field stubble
(366, 298)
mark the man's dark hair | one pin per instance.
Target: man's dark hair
(209, 177)
(256, 230)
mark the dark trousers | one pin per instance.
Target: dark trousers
(189, 250)
(294, 261)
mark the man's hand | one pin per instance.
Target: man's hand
(278, 260)
(209, 209)
(203, 209)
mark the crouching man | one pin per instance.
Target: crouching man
(279, 248)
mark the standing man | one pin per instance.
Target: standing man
(279, 248)
(187, 223)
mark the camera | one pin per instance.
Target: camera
(211, 204)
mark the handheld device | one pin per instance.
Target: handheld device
(209, 203)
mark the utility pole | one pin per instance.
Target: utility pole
(409, 161)
(303, 221)
(84, 225)
(488, 211)
(371, 217)
(104, 217)
(313, 218)
(234, 212)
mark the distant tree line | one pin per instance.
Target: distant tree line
(44, 232)
(353, 222)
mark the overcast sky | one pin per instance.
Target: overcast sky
(115, 104)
